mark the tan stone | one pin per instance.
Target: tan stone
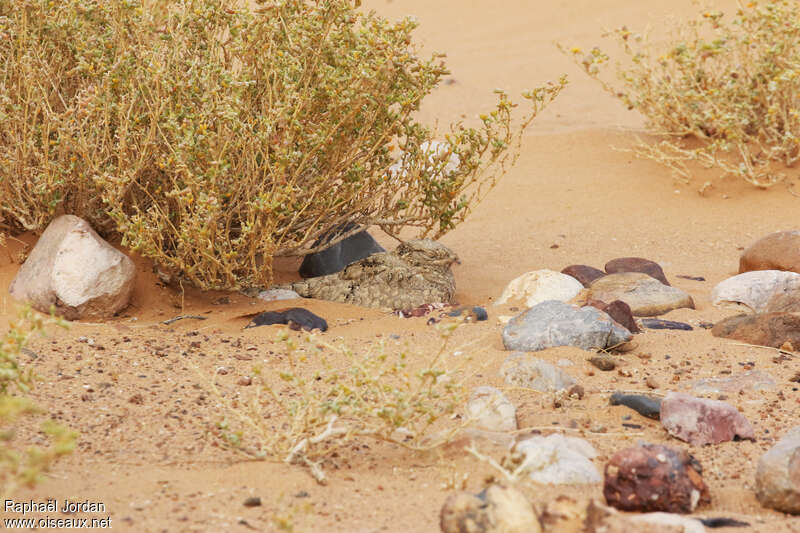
(776, 251)
(645, 295)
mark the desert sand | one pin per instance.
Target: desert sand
(575, 197)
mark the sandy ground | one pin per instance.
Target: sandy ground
(575, 196)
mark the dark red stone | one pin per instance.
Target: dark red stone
(619, 311)
(637, 264)
(652, 477)
(583, 273)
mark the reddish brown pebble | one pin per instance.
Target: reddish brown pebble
(619, 311)
(136, 399)
(637, 264)
(245, 381)
(583, 273)
(652, 477)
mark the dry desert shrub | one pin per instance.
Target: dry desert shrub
(20, 466)
(725, 92)
(213, 137)
(329, 396)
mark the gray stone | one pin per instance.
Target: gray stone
(645, 295)
(74, 269)
(273, 295)
(557, 460)
(538, 286)
(524, 370)
(760, 291)
(553, 323)
(699, 421)
(778, 474)
(750, 380)
(489, 409)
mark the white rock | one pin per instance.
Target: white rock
(762, 291)
(490, 410)
(557, 460)
(272, 295)
(437, 151)
(74, 269)
(654, 522)
(540, 285)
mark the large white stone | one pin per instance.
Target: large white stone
(490, 410)
(558, 460)
(761, 291)
(540, 285)
(74, 269)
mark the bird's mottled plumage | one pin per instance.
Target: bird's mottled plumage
(416, 273)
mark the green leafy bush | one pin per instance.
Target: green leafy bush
(213, 137)
(734, 85)
(23, 466)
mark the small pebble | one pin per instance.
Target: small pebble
(252, 501)
(604, 362)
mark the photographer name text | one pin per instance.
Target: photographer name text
(52, 506)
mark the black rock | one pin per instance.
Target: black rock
(341, 254)
(644, 405)
(296, 317)
(723, 522)
(693, 278)
(657, 323)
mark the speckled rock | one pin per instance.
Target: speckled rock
(538, 286)
(652, 477)
(553, 323)
(778, 474)
(700, 421)
(762, 291)
(637, 264)
(645, 295)
(776, 251)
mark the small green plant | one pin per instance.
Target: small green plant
(23, 466)
(725, 93)
(213, 137)
(303, 413)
